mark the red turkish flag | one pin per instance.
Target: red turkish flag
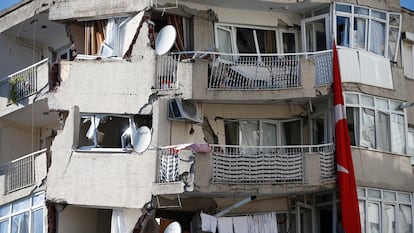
(346, 178)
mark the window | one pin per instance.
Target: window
(23, 216)
(385, 211)
(243, 39)
(369, 29)
(407, 52)
(315, 34)
(263, 132)
(106, 131)
(109, 37)
(376, 123)
(410, 144)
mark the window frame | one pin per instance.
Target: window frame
(260, 122)
(30, 209)
(232, 28)
(135, 120)
(371, 17)
(383, 202)
(360, 107)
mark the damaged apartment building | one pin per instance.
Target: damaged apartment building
(202, 116)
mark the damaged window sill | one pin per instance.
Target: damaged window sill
(103, 150)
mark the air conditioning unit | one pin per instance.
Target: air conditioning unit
(185, 110)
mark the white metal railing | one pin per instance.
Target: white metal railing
(20, 173)
(23, 83)
(168, 165)
(246, 71)
(264, 164)
(167, 66)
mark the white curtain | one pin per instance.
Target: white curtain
(373, 218)
(20, 223)
(360, 32)
(249, 136)
(368, 128)
(405, 219)
(269, 134)
(124, 220)
(377, 36)
(398, 133)
(383, 128)
(389, 219)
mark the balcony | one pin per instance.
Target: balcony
(204, 75)
(23, 172)
(25, 83)
(305, 165)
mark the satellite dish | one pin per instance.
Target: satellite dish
(173, 227)
(165, 40)
(141, 139)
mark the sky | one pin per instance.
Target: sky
(7, 3)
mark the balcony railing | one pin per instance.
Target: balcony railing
(254, 165)
(246, 71)
(20, 173)
(23, 83)
(168, 163)
(274, 165)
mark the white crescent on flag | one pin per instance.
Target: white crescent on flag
(341, 169)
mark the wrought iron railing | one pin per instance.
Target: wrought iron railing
(246, 71)
(275, 165)
(23, 83)
(20, 173)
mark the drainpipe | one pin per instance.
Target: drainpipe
(237, 205)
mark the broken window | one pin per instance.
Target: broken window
(109, 37)
(181, 24)
(250, 39)
(109, 131)
(369, 29)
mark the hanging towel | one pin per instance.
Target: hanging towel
(208, 223)
(241, 224)
(225, 225)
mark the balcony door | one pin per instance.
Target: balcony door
(315, 31)
(305, 218)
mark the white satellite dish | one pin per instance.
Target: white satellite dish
(173, 227)
(141, 139)
(165, 40)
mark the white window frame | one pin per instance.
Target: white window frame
(382, 201)
(30, 209)
(376, 108)
(371, 18)
(324, 17)
(409, 52)
(410, 144)
(232, 28)
(278, 124)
